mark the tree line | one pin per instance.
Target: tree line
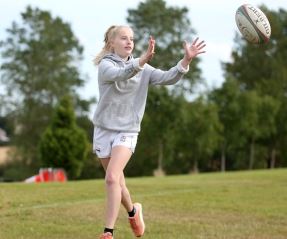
(238, 126)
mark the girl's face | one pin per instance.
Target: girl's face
(123, 43)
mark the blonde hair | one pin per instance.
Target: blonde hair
(109, 35)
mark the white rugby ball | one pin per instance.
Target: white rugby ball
(253, 24)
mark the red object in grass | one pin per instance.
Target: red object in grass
(48, 175)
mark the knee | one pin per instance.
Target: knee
(112, 179)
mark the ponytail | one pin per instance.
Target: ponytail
(110, 33)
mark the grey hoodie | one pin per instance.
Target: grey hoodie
(123, 88)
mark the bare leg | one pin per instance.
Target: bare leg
(115, 184)
(126, 197)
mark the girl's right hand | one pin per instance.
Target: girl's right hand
(148, 55)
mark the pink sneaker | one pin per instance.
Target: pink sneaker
(137, 222)
(106, 235)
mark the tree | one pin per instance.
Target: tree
(40, 59)
(243, 114)
(227, 100)
(255, 124)
(63, 143)
(170, 26)
(199, 133)
(263, 69)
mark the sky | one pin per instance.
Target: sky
(214, 22)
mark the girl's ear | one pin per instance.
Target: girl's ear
(111, 46)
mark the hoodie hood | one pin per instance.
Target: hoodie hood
(116, 58)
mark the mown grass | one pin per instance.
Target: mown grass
(237, 205)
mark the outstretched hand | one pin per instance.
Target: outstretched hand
(148, 55)
(192, 50)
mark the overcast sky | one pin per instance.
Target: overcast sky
(213, 21)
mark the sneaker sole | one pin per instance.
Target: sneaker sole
(140, 217)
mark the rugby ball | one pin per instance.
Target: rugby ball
(253, 24)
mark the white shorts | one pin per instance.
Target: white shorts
(104, 140)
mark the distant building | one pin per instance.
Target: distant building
(3, 136)
(5, 152)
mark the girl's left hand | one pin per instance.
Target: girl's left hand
(192, 50)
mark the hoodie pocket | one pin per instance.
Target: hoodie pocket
(115, 115)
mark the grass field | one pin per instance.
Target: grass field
(238, 205)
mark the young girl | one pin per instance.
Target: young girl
(123, 87)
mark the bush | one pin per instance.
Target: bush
(64, 144)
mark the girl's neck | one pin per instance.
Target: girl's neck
(126, 58)
(123, 58)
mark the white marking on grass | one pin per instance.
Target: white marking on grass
(98, 200)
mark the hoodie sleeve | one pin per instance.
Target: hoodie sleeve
(110, 71)
(170, 77)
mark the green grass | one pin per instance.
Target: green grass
(238, 205)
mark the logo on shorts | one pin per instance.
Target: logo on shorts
(123, 139)
(98, 149)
